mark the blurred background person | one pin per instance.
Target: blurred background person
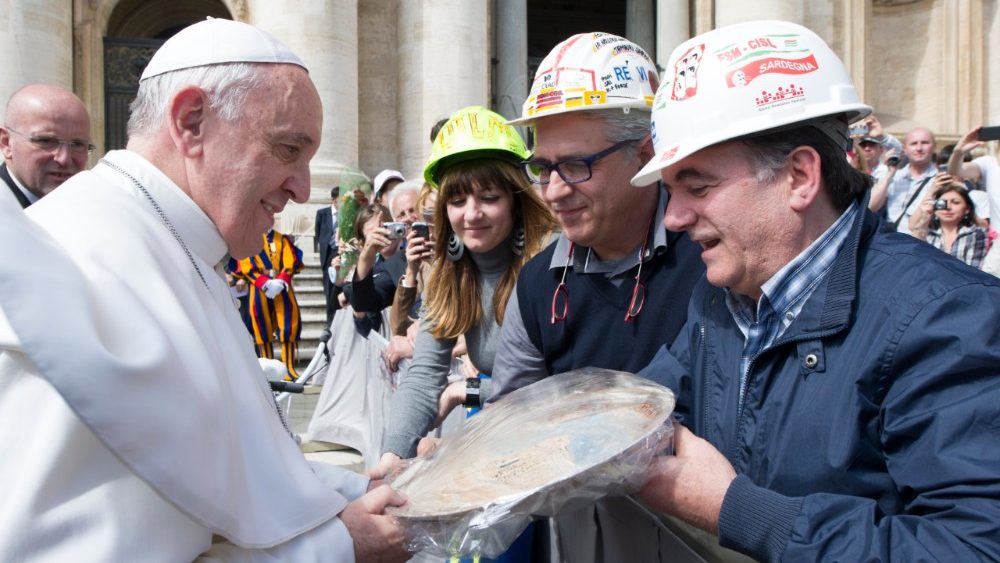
(947, 220)
(384, 183)
(984, 170)
(45, 140)
(910, 183)
(325, 243)
(274, 310)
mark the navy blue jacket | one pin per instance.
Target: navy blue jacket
(871, 428)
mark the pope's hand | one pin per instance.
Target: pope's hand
(377, 537)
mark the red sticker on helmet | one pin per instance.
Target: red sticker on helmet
(686, 73)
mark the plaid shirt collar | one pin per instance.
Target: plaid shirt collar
(784, 295)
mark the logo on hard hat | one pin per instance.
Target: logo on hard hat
(758, 56)
(686, 73)
(779, 97)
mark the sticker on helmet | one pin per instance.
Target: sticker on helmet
(778, 53)
(779, 97)
(686, 73)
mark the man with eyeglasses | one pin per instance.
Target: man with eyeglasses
(45, 140)
(615, 285)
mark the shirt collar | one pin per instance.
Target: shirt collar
(32, 198)
(194, 227)
(584, 261)
(786, 292)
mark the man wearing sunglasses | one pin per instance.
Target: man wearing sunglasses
(614, 286)
(45, 140)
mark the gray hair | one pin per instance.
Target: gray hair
(227, 86)
(619, 125)
(409, 186)
(768, 155)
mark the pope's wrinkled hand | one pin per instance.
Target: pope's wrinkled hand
(377, 537)
(692, 483)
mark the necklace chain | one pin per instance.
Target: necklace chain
(161, 214)
(180, 241)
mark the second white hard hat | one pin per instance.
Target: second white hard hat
(591, 71)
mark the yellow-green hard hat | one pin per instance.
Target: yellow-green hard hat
(473, 132)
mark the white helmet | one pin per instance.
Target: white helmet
(743, 79)
(591, 71)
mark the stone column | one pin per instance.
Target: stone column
(325, 36)
(640, 25)
(444, 65)
(36, 44)
(851, 34)
(512, 57)
(672, 28)
(735, 11)
(962, 105)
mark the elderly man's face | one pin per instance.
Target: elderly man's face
(603, 210)
(404, 208)
(254, 165)
(741, 224)
(38, 116)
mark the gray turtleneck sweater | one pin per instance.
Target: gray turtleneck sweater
(415, 402)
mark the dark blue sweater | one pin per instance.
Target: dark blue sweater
(595, 332)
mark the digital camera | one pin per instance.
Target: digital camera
(396, 230)
(940, 204)
(892, 161)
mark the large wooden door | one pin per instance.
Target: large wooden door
(124, 61)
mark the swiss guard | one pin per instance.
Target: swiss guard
(273, 308)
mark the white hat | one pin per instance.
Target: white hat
(384, 176)
(590, 71)
(218, 41)
(746, 79)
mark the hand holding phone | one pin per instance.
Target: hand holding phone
(989, 133)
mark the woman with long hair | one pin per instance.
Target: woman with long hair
(490, 222)
(947, 220)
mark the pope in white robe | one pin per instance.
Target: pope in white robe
(137, 423)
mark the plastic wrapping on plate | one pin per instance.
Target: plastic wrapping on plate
(558, 444)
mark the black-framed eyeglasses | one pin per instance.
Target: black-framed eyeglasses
(572, 170)
(49, 143)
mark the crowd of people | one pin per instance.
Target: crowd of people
(785, 273)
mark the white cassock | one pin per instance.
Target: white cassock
(136, 421)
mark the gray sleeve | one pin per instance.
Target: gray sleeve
(518, 362)
(415, 403)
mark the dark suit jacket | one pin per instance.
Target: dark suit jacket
(325, 240)
(13, 187)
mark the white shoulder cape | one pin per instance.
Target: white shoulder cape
(109, 308)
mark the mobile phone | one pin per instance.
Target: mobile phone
(989, 133)
(421, 229)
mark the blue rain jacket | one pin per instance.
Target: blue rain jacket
(871, 428)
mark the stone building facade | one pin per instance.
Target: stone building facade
(387, 70)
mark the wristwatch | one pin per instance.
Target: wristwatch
(472, 396)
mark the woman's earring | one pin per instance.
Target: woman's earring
(517, 243)
(455, 248)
